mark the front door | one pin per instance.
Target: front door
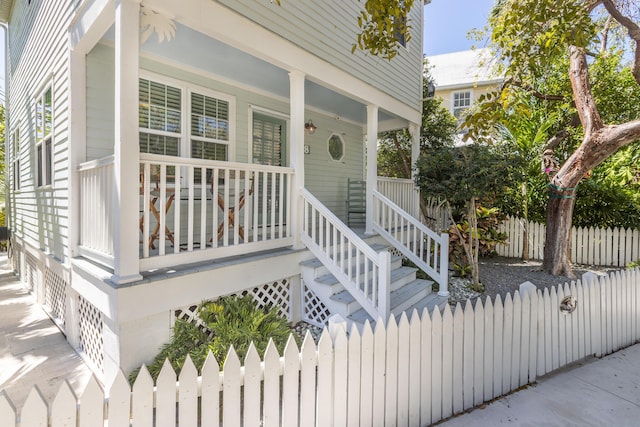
(269, 148)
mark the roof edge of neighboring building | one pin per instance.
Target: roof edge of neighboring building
(466, 85)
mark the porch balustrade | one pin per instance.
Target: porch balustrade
(360, 269)
(189, 210)
(402, 192)
(427, 249)
(96, 206)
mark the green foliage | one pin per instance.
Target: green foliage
(531, 32)
(533, 106)
(458, 174)
(229, 321)
(238, 322)
(437, 129)
(384, 23)
(487, 234)
(634, 264)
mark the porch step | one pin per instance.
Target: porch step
(406, 292)
(428, 302)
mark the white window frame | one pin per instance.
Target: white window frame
(460, 109)
(44, 142)
(187, 89)
(15, 159)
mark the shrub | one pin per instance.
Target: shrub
(227, 321)
(488, 236)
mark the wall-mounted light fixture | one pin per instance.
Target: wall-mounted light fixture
(310, 127)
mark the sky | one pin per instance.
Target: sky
(447, 22)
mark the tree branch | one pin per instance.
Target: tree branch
(406, 163)
(549, 163)
(605, 34)
(534, 92)
(634, 33)
(582, 95)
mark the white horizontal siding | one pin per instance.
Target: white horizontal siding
(38, 57)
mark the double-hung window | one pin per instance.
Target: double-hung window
(44, 138)
(176, 119)
(209, 127)
(160, 118)
(461, 102)
(15, 158)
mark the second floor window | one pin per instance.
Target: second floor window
(461, 102)
(44, 138)
(15, 158)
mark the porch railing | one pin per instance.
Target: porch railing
(428, 250)
(363, 272)
(189, 210)
(402, 192)
(96, 206)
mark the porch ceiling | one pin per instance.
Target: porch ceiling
(196, 50)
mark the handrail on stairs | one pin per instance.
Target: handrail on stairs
(364, 273)
(427, 249)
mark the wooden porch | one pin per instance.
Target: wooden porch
(188, 210)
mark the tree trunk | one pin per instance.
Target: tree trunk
(558, 238)
(525, 214)
(474, 244)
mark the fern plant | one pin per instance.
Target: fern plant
(225, 322)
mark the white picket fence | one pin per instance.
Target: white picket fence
(411, 373)
(592, 246)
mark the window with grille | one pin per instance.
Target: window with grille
(15, 159)
(44, 138)
(160, 118)
(205, 133)
(461, 102)
(209, 129)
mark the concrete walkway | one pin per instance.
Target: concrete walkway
(33, 351)
(594, 392)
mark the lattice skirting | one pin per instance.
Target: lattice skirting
(91, 325)
(16, 260)
(31, 273)
(314, 311)
(55, 295)
(276, 294)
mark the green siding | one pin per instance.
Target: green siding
(325, 177)
(328, 29)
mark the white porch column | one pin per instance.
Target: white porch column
(126, 145)
(296, 95)
(414, 130)
(372, 163)
(77, 141)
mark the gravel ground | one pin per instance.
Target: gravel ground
(503, 275)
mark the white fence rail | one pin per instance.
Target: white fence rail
(412, 373)
(425, 248)
(363, 272)
(592, 246)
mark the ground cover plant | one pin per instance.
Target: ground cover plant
(225, 322)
